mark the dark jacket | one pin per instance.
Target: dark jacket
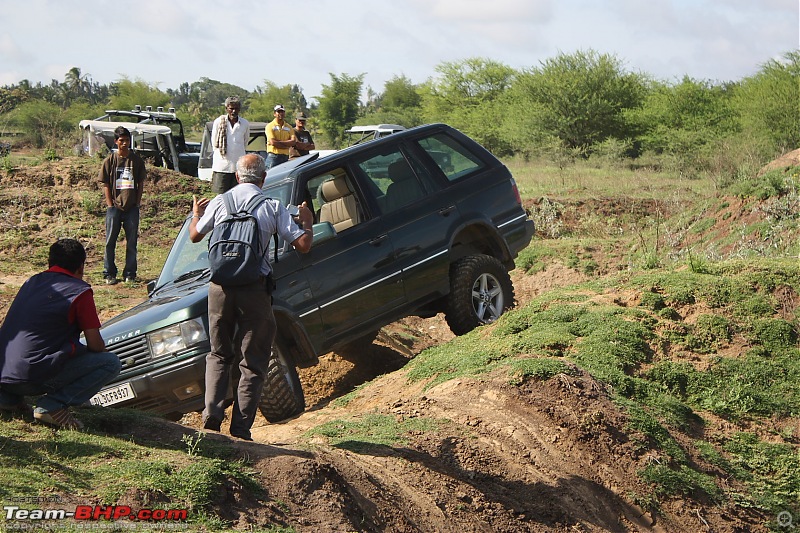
(36, 337)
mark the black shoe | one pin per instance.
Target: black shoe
(212, 422)
(111, 280)
(242, 435)
(130, 279)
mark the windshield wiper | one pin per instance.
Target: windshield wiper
(191, 274)
(183, 277)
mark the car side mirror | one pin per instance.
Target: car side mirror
(324, 231)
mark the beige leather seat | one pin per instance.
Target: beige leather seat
(340, 207)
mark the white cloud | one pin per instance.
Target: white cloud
(10, 51)
(538, 11)
(10, 77)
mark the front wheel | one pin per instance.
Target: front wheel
(480, 291)
(282, 396)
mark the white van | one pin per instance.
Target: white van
(359, 134)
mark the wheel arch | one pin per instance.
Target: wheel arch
(294, 339)
(480, 237)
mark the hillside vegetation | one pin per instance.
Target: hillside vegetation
(647, 381)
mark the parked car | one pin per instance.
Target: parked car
(359, 134)
(420, 222)
(151, 142)
(188, 152)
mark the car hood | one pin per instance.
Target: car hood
(168, 305)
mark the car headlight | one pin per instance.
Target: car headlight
(177, 337)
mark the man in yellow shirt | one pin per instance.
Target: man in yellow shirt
(280, 138)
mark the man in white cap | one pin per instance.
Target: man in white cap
(280, 138)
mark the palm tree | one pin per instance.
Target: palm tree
(77, 84)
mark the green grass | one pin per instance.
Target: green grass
(102, 464)
(637, 351)
(583, 180)
(365, 433)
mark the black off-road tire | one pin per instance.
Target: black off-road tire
(282, 396)
(480, 291)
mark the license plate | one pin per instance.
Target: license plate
(112, 395)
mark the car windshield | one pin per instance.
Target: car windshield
(185, 259)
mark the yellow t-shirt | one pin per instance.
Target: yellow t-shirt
(279, 133)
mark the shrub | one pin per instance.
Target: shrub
(776, 335)
(709, 333)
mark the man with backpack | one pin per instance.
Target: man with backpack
(239, 302)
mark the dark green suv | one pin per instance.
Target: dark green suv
(420, 222)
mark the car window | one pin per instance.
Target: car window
(454, 159)
(335, 199)
(258, 142)
(393, 182)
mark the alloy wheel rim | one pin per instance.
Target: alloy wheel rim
(487, 298)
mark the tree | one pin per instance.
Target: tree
(682, 119)
(579, 99)
(465, 93)
(181, 95)
(768, 105)
(400, 93)
(207, 100)
(265, 98)
(126, 94)
(78, 85)
(12, 97)
(44, 123)
(339, 106)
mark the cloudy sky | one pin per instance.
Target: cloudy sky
(166, 42)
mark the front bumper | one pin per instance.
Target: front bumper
(170, 390)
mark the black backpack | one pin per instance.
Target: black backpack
(233, 247)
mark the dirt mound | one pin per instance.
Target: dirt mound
(786, 161)
(555, 455)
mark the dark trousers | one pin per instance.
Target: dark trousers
(117, 219)
(222, 181)
(80, 379)
(240, 321)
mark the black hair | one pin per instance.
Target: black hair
(121, 131)
(68, 254)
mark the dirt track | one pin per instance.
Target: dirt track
(545, 456)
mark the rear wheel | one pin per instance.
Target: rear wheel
(282, 396)
(480, 291)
